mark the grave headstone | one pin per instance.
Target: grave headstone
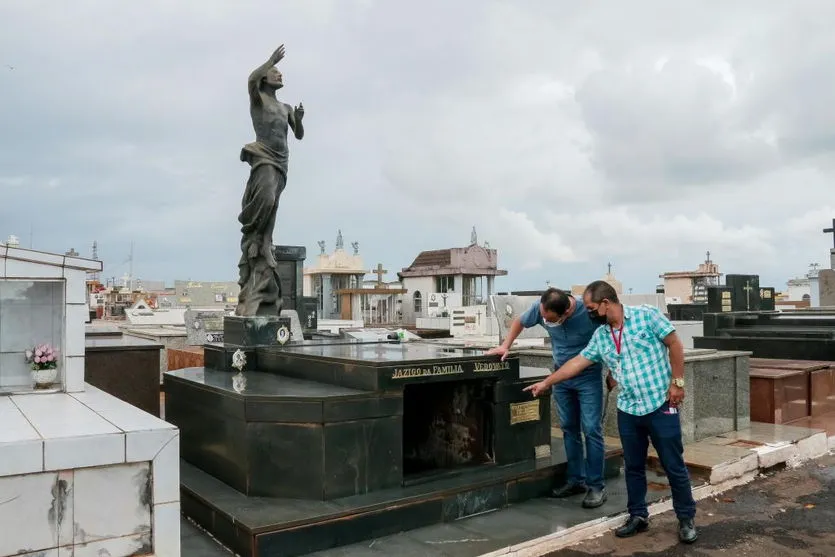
(290, 265)
(746, 292)
(204, 326)
(296, 332)
(826, 287)
(767, 302)
(508, 307)
(309, 313)
(719, 299)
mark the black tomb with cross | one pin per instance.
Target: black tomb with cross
(745, 292)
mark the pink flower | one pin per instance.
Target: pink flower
(38, 352)
(37, 359)
(50, 358)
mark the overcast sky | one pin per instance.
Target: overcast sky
(570, 134)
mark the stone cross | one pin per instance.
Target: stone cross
(831, 230)
(379, 271)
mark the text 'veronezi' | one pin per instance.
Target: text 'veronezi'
(491, 366)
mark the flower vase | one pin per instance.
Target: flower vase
(45, 378)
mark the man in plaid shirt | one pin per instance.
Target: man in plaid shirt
(641, 347)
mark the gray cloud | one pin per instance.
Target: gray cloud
(557, 129)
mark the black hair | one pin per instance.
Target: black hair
(601, 290)
(556, 300)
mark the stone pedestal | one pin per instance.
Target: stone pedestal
(125, 367)
(717, 387)
(256, 331)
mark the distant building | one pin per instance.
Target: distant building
(334, 272)
(609, 277)
(690, 287)
(468, 272)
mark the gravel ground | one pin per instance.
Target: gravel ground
(790, 512)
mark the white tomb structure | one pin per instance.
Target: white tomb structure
(81, 472)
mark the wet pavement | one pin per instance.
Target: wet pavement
(786, 513)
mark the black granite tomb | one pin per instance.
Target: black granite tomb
(790, 335)
(719, 299)
(290, 266)
(379, 437)
(686, 312)
(767, 301)
(745, 292)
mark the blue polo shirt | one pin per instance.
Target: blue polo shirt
(568, 339)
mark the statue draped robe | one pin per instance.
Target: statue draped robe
(258, 274)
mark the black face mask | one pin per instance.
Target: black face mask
(595, 318)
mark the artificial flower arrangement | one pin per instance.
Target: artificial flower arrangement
(43, 359)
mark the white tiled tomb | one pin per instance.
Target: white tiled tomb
(82, 473)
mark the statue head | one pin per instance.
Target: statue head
(274, 80)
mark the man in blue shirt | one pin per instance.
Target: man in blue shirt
(579, 401)
(641, 347)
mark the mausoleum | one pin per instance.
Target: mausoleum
(81, 472)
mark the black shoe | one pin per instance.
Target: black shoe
(594, 498)
(687, 530)
(634, 525)
(568, 490)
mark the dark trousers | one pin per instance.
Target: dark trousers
(664, 430)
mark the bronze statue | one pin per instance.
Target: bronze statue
(267, 156)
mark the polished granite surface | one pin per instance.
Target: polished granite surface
(800, 365)
(105, 342)
(386, 353)
(467, 537)
(476, 535)
(259, 384)
(261, 512)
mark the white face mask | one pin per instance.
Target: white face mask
(550, 324)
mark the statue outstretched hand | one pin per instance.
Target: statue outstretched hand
(299, 112)
(278, 55)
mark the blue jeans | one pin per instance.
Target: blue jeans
(579, 403)
(664, 430)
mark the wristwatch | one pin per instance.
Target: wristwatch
(678, 382)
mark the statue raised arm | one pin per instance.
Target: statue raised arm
(268, 158)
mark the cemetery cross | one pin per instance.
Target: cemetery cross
(831, 231)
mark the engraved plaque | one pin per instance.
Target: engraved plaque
(521, 412)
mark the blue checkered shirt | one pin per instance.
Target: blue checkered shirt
(644, 372)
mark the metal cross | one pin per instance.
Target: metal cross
(748, 288)
(831, 231)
